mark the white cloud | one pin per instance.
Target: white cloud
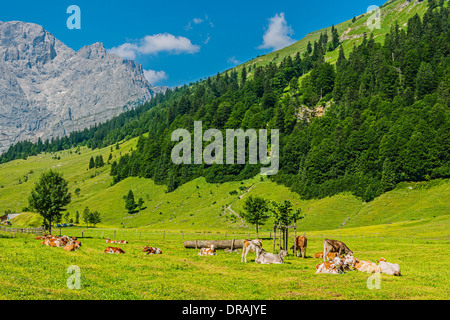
(162, 42)
(126, 51)
(153, 76)
(233, 60)
(167, 42)
(278, 33)
(198, 20)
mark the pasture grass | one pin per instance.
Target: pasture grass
(33, 271)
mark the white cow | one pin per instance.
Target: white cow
(335, 267)
(269, 258)
(392, 269)
(251, 246)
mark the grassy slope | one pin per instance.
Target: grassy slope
(27, 220)
(391, 12)
(198, 205)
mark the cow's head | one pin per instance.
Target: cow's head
(381, 259)
(257, 242)
(337, 261)
(283, 254)
(349, 260)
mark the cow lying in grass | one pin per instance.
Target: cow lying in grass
(269, 258)
(45, 236)
(72, 247)
(331, 255)
(209, 251)
(152, 250)
(108, 240)
(113, 250)
(360, 265)
(228, 250)
(392, 269)
(334, 267)
(63, 241)
(251, 246)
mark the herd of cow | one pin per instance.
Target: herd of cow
(73, 244)
(341, 256)
(69, 244)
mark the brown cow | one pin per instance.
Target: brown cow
(360, 265)
(113, 250)
(301, 246)
(152, 250)
(108, 240)
(334, 267)
(334, 246)
(71, 247)
(319, 255)
(209, 251)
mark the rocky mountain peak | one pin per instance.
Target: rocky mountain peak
(48, 90)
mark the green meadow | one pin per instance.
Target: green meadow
(33, 271)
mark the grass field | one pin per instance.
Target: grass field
(33, 271)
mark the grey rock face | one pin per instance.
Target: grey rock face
(48, 90)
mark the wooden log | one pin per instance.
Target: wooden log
(219, 244)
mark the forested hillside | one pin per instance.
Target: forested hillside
(377, 117)
(386, 116)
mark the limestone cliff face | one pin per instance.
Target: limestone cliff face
(48, 90)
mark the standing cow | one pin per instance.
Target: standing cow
(251, 246)
(334, 246)
(301, 246)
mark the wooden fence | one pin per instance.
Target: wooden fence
(37, 231)
(151, 235)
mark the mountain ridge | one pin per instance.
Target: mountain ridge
(49, 90)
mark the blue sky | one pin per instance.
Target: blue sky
(179, 42)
